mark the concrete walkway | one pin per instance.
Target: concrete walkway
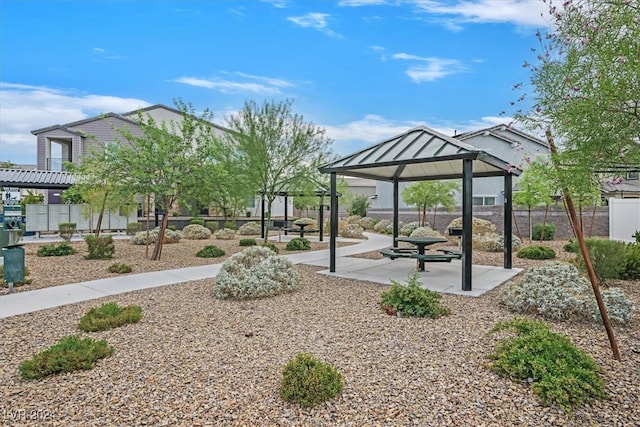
(441, 277)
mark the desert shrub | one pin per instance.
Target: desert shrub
(557, 291)
(631, 262)
(412, 300)
(120, 268)
(341, 225)
(425, 232)
(478, 226)
(271, 246)
(133, 228)
(231, 225)
(306, 221)
(225, 234)
(353, 219)
(571, 246)
(381, 226)
(210, 251)
(607, 257)
(408, 228)
(309, 381)
(248, 242)
(536, 252)
(196, 232)
(108, 316)
(250, 229)
(100, 247)
(61, 249)
(353, 231)
(171, 227)
(298, 244)
(211, 225)
(197, 221)
(170, 236)
(367, 222)
(359, 206)
(558, 371)
(494, 242)
(543, 231)
(66, 230)
(71, 353)
(255, 272)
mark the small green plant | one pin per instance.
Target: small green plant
(636, 236)
(543, 232)
(607, 257)
(359, 206)
(197, 220)
(631, 262)
(558, 371)
(108, 316)
(120, 268)
(133, 228)
(61, 249)
(536, 252)
(412, 300)
(66, 230)
(210, 251)
(271, 246)
(571, 246)
(248, 242)
(71, 353)
(101, 247)
(309, 381)
(211, 225)
(298, 244)
(230, 225)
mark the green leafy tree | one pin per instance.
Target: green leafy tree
(360, 205)
(278, 149)
(427, 195)
(31, 199)
(7, 165)
(586, 94)
(535, 188)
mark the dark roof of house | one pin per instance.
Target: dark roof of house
(23, 178)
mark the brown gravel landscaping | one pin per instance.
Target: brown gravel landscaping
(195, 360)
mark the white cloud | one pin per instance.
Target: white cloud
(280, 4)
(430, 68)
(316, 21)
(26, 108)
(243, 83)
(358, 3)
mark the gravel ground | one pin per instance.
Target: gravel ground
(196, 360)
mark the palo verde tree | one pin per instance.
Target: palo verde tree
(278, 149)
(168, 160)
(427, 195)
(586, 96)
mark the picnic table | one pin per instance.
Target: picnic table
(300, 229)
(421, 244)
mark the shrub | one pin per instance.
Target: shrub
(536, 252)
(170, 236)
(306, 221)
(133, 228)
(255, 272)
(631, 262)
(359, 205)
(196, 232)
(248, 242)
(61, 249)
(408, 228)
(557, 291)
(367, 222)
(607, 257)
(412, 300)
(210, 251)
(211, 225)
(100, 247)
(309, 381)
(108, 316)
(494, 242)
(231, 225)
(171, 227)
(558, 371)
(71, 353)
(250, 229)
(478, 226)
(571, 246)
(425, 232)
(353, 231)
(271, 246)
(225, 234)
(197, 221)
(543, 232)
(66, 230)
(298, 244)
(120, 268)
(381, 226)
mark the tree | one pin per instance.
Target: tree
(168, 160)
(535, 188)
(279, 150)
(429, 195)
(586, 90)
(7, 165)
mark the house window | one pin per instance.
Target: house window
(484, 201)
(632, 176)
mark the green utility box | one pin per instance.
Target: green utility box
(13, 264)
(4, 237)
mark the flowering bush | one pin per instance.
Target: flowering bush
(225, 234)
(367, 222)
(408, 228)
(425, 232)
(170, 236)
(353, 219)
(494, 242)
(196, 232)
(250, 229)
(353, 231)
(255, 272)
(306, 221)
(478, 226)
(381, 226)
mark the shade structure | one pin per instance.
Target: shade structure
(31, 178)
(421, 154)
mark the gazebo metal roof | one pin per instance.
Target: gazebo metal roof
(31, 178)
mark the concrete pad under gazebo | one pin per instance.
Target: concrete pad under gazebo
(421, 154)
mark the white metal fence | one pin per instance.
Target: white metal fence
(45, 218)
(624, 219)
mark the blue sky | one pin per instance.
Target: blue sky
(364, 70)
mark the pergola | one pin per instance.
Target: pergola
(421, 154)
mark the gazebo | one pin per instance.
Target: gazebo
(421, 154)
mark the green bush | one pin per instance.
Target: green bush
(558, 371)
(607, 257)
(271, 246)
(211, 225)
(100, 247)
(536, 252)
(298, 244)
(250, 228)
(210, 251)
(196, 232)
(197, 221)
(230, 225)
(543, 232)
(631, 262)
(309, 381)
(359, 206)
(71, 353)
(61, 249)
(248, 242)
(108, 316)
(133, 228)
(412, 300)
(170, 236)
(120, 268)
(66, 230)
(571, 246)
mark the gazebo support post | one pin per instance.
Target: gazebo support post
(321, 217)
(333, 215)
(508, 233)
(395, 212)
(286, 213)
(467, 222)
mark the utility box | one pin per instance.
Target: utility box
(4, 237)
(13, 264)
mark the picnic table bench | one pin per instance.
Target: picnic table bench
(446, 256)
(300, 229)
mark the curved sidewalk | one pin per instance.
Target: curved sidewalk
(56, 296)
